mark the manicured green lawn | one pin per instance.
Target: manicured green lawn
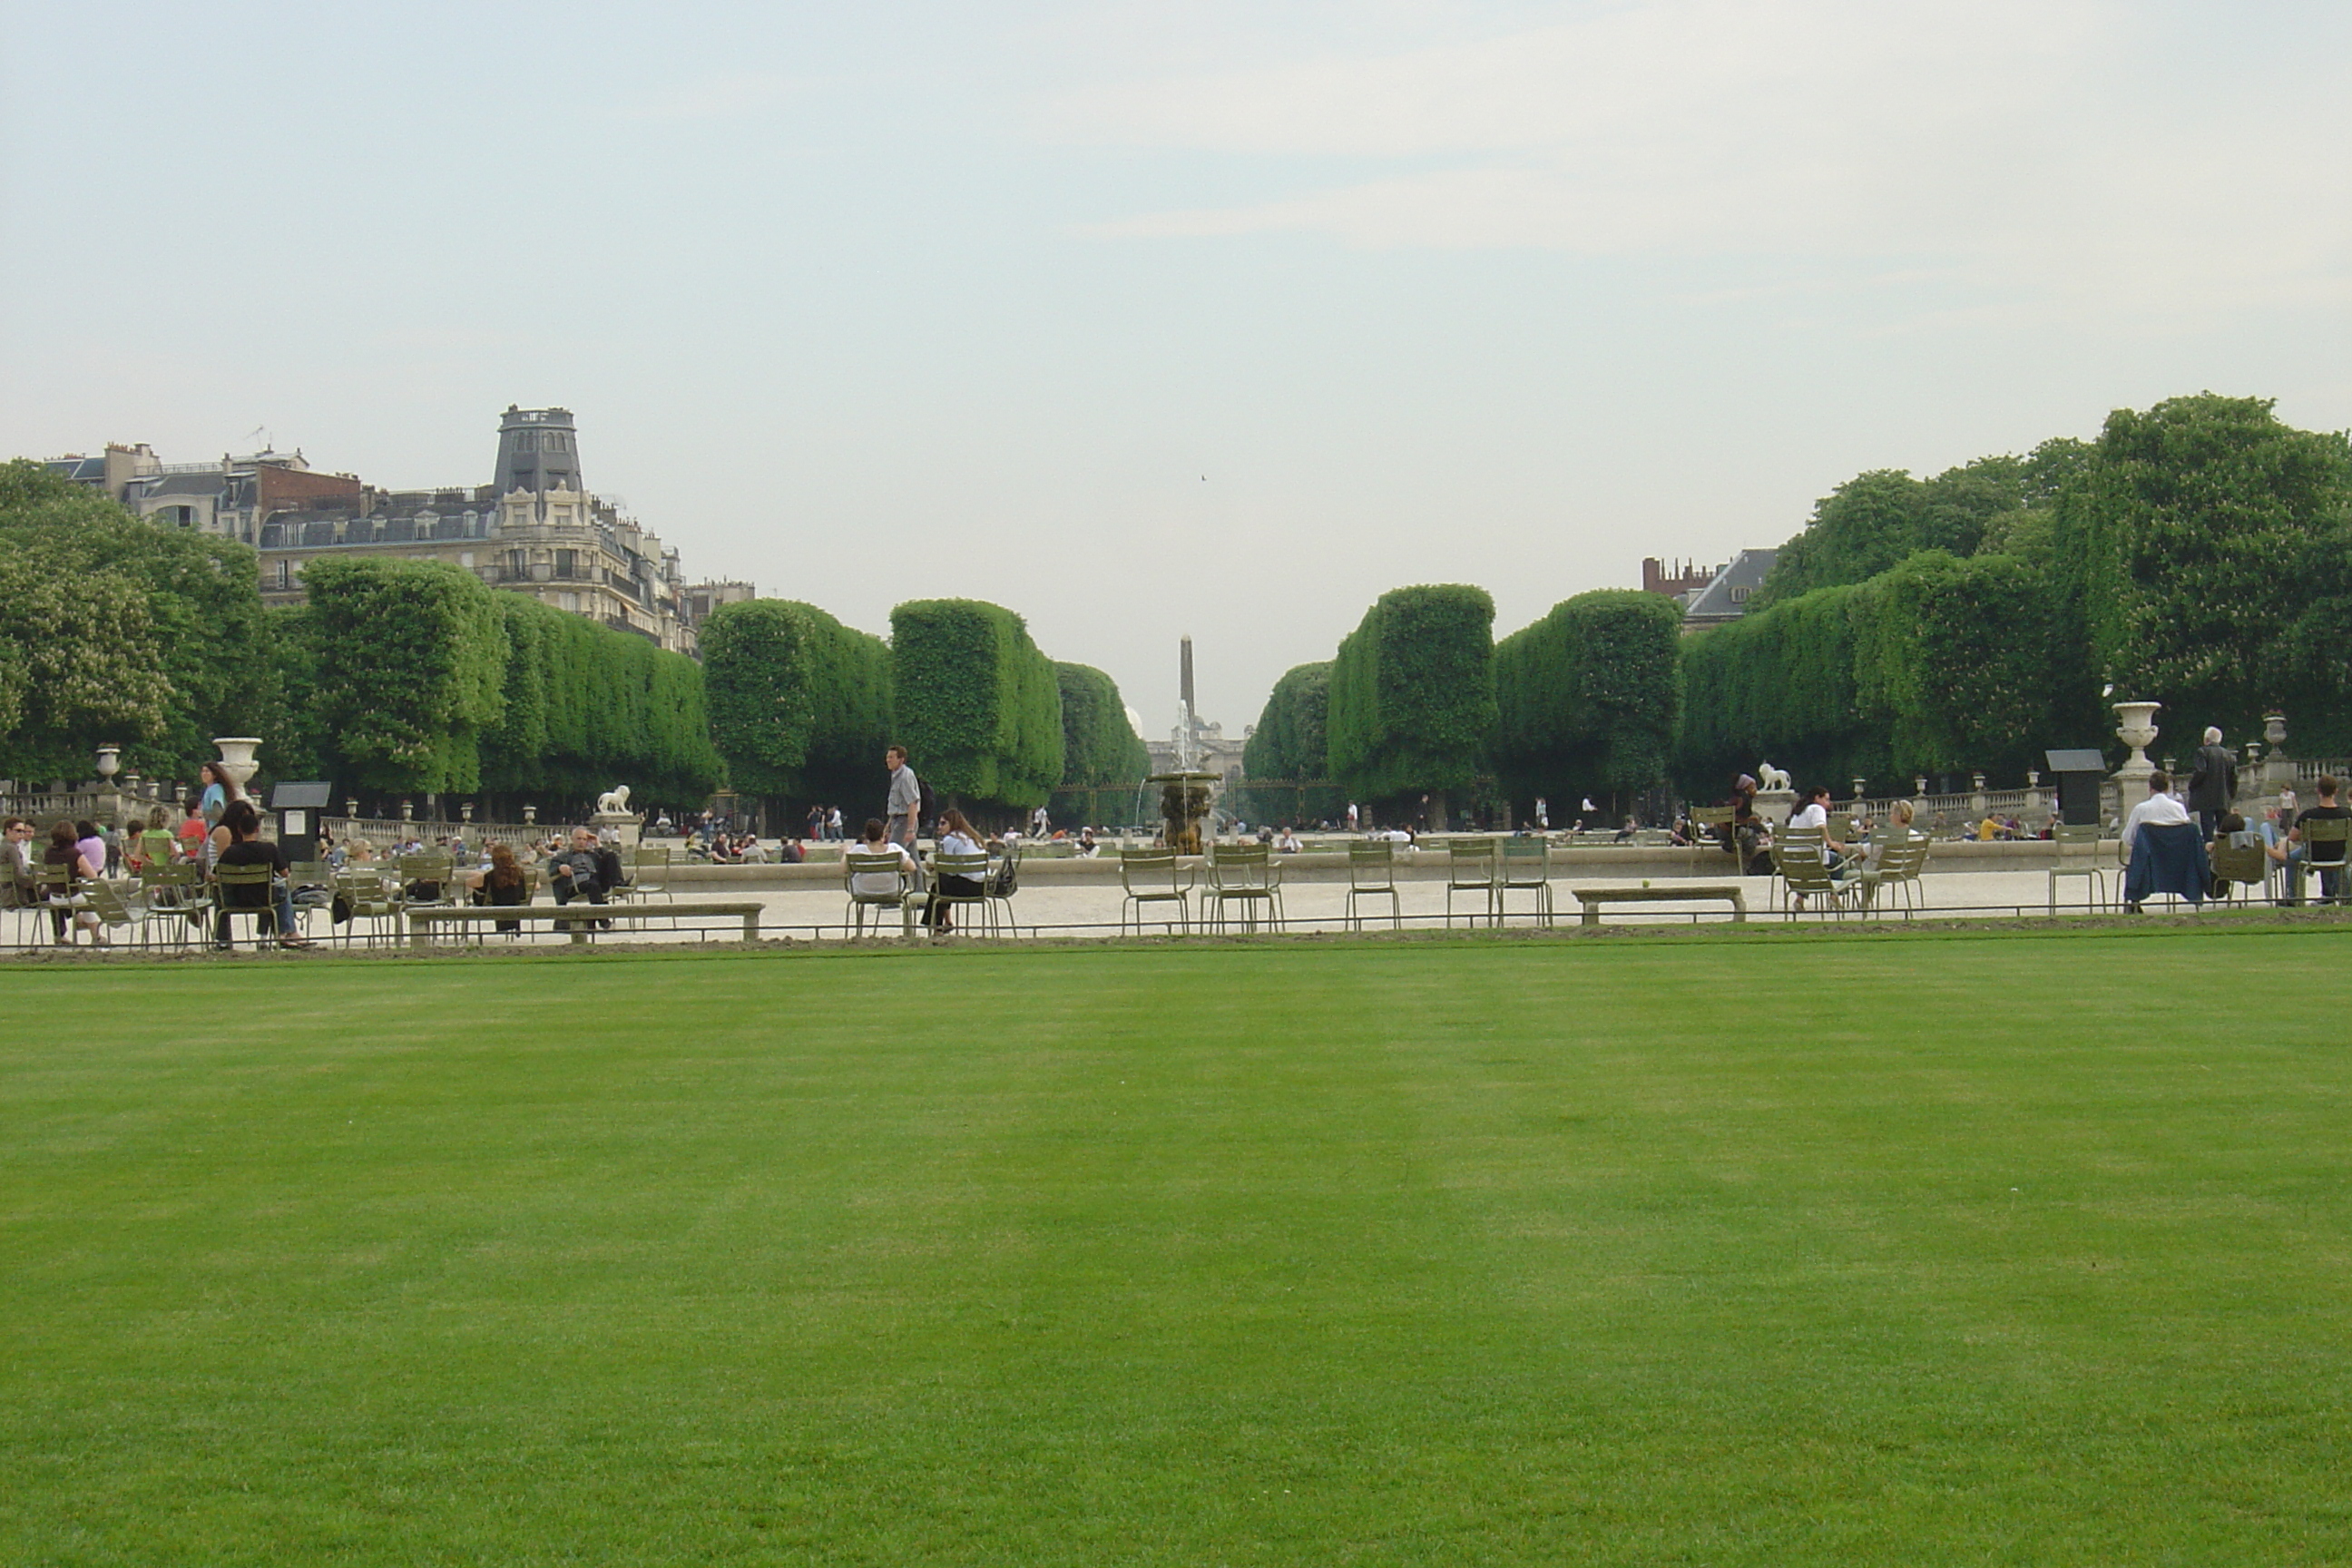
(1832, 1251)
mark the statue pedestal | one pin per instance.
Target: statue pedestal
(1776, 806)
(623, 829)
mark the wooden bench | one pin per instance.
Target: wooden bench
(1591, 899)
(422, 921)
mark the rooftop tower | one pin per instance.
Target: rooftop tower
(538, 451)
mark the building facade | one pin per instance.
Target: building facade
(535, 529)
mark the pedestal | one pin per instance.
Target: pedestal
(623, 829)
(1776, 806)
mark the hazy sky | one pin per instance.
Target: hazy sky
(1147, 319)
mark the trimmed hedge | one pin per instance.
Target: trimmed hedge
(1412, 692)
(977, 706)
(1100, 746)
(1589, 700)
(1292, 740)
(411, 662)
(800, 704)
(1777, 685)
(415, 677)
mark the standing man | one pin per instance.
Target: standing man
(1351, 816)
(2214, 784)
(1543, 815)
(905, 808)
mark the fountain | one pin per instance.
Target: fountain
(1184, 802)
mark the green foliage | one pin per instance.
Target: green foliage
(1412, 692)
(1777, 685)
(977, 706)
(1292, 738)
(1970, 665)
(1878, 520)
(586, 707)
(2215, 546)
(1100, 746)
(114, 630)
(1588, 699)
(800, 704)
(411, 660)
(1292, 742)
(412, 676)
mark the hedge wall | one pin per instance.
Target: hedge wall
(1100, 746)
(1412, 693)
(413, 676)
(410, 668)
(1589, 700)
(977, 706)
(1776, 686)
(1292, 740)
(800, 704)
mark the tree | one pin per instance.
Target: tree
(1588, 699)
(119, 631)
(1412, 694)
(2212, 547)
(800, 704)
(1100, 746)
(1292, 743)
(411, 663)
(977, 706)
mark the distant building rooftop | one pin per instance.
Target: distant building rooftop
(1724, 598)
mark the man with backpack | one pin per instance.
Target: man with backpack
(907, 808)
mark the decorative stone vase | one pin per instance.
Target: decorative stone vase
(407, 810)
(2138, 732)
(237, 759)
(110, 763)
(2275, 729)
(530, 815)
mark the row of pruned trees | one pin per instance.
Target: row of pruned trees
(803, 706)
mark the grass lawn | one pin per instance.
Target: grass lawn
(1834, 1251)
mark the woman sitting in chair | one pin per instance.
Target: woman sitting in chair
(501, 885)
(957, 836)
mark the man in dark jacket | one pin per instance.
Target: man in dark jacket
(2213, 786)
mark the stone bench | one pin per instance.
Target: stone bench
(422, 919)
(1593, 899)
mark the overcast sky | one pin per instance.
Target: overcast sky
(1147, 319)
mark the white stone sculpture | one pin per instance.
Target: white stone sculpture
(613, 802)
(1771, 780)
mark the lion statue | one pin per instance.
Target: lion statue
(1772, 779)
(613, 802)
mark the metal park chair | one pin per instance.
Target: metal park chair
(242, 891)
(2079, 854)
(1247, 874)
(970, 868)
(1472, 866)
(1527, 867)
(867, 872)
(1372, 874)
(1804, 873)
(1153, 877)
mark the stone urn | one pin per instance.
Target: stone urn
(237, 759)
(110, 763)
(2137, 729)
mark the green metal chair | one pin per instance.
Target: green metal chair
(1153, 877)
(1372, 874)
(241, 892)
(2316, 833)
(1804, 872)
(1472, 866)
(1902, 856)
(871, 868)
(1527, 867)
(2081, 853)
(367, 897)
(973, 868)
(1245, 874)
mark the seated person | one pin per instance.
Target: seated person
(2324, 859)
(957, 836)
(245, 847)
(68, 850)
(1289, 843)
(500, 884)
(578, 871)
(1086, 846)
(876, 840)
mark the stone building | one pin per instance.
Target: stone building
(535, 529)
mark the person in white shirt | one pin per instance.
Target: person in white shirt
(2159, 808)
(1287, 844)
(882, 884)
(957, 836)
